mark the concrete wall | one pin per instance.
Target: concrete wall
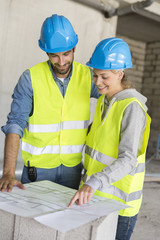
(145, 75)
(138, 51)
(20, 24)
(151, 89)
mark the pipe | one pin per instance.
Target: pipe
(98, 6)
(135, 7)
(110, 11)
(149, 15)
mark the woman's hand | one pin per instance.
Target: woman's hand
(82, 196)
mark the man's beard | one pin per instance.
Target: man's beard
(62, 71)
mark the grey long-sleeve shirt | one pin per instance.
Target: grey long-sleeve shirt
(131, 136)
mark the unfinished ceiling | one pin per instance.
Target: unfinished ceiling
(139, 27)
(137, 19)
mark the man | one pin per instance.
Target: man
(50, 112)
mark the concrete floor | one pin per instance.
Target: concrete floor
(148, 224)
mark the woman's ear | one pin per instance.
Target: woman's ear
(121, 74)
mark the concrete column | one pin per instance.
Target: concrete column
(13, 227)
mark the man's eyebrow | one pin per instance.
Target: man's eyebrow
(63, 53)
(52, 54)
(67, 51)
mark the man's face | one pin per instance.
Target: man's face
(62, 62)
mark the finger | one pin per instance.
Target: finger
(0, 183)
(4, 187)
(85, 198)
(12, 184)
(20, 185)
(1, 186)
(89, 197)
(81, 198)
(10, 187)
(73, 200)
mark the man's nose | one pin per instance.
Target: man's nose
(61, 61)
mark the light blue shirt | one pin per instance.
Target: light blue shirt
(22, 104)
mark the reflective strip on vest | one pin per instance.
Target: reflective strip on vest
(117, 192)
(122, 195)
(140, 168)
(100, 157)
(41, 128)
(107, 160)
(52, 149)
(75, 125)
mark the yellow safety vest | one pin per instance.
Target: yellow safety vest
(56, 132)
(102, 150)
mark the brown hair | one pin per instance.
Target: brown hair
(124, 81)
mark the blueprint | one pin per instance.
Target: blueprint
(47, 203)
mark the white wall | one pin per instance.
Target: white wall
(20, 24)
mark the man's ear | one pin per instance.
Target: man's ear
(74, 49)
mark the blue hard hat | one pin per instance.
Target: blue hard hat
(111, 54)
(57, 35)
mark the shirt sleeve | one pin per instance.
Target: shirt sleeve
(94, 91)
(21, 106)
(131, 137)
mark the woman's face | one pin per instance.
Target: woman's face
(108, 82)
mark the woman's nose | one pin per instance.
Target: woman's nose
(98, 81)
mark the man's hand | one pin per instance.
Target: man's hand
(7, 182)
(82, 196)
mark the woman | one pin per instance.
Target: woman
(117, 141)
